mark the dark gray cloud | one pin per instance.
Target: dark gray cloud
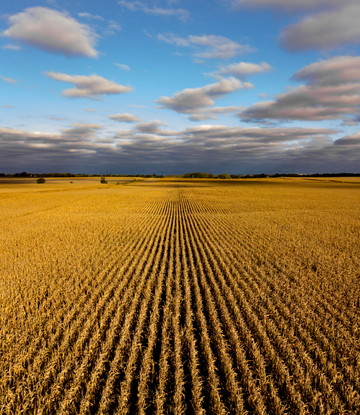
(349, 140)
(150, 147)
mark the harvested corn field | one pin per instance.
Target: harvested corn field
(180, 297)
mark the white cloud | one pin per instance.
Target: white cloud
(92, 86)
(262, 95)
(126, 117)
(123, 66)
(324, 30)
(191, 100)
(209, 46)
(112, 27)
(90, 16)
(8, 80)
(52, 31)
(140, 6)
(11, 47)
(89, 110)
(242, 70)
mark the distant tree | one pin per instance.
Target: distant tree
(197, 175)
(224, 176)
(40, 180)
(103, 180)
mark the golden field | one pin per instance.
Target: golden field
(180, 296)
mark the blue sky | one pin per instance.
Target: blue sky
(236, 86)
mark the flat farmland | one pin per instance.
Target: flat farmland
(180, 296)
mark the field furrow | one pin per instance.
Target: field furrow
(182, 297)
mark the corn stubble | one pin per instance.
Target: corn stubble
(182, 297)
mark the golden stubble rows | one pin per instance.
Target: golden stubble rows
(181, 297)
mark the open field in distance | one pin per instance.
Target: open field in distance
(180, 296)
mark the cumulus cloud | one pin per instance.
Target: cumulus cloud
(242, 70)
(93, 86)
(330, 23)
(8, 80)
(332, 91)
(158, 11)
(124, 118)
(208, 46)
(336, 71)
(52, 31)
(324, 30)
(191, 100)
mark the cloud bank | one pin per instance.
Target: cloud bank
(86, 147)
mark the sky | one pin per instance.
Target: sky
(177, 86)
